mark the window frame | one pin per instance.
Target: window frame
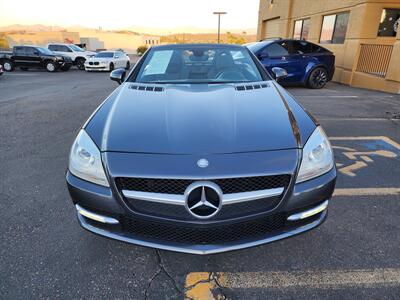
(334, 28)
(301, 29)
(308, 44)
(379, 25)
(289, 49)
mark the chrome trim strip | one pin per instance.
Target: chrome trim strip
(199, 249)
(310, 212)
(181, 199)
(249, 196)
(155, 197)
(96, 217)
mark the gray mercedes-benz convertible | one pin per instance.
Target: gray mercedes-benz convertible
(200, 150)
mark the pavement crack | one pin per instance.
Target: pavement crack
(161, 269)
(150, 282)
(188, 288)
(215, 278)
(164, 269)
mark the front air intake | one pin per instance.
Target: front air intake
(147, 88)
(253, 86)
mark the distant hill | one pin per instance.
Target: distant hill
(133, 30)
(188, 29)
(30, 28)
(186, 38)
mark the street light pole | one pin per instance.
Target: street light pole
(219, 13)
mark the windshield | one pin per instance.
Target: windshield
(198, 64)
(45, 51)
(105, 54)
(76, 48)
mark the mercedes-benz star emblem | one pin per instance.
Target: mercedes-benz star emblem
(203, 199)
(202, 163)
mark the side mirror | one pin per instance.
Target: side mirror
(118, 75)
(279, 73)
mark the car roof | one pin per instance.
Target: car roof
(63, 44)
(32, 46)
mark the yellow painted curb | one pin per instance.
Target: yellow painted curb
(198, 286)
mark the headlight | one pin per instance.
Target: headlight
(317, 156)
(85, 160)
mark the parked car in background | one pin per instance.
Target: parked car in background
(108, 61)
(77, 54)
(26, 57)
(306, 63)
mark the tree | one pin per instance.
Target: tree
(141, 50)
(232, 39)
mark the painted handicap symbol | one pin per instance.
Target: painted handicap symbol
(361, 159)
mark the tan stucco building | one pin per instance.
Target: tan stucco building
(363, 34)
(94, 39)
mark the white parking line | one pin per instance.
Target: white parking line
(344, 96)
(357, 119)
(17, 74)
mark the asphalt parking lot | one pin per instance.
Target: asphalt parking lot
(45, 253)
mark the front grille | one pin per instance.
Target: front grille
(90, 63)
(178, 186)
(178, 212)
(215, 234)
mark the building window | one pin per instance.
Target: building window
(301, 29)
(334, 29)
(390, 20)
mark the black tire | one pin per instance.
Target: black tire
(50, 66)
(318, 78)
(8, 65)
(80, 63)
(128, 65)
(111, 67)
(24, 68)
(65, 68)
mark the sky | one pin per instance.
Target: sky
(124, 14)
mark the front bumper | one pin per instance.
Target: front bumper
(99, 67)
(63, 63)
(308, 196)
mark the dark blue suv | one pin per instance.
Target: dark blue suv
(306, 63)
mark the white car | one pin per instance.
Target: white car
(77, 54)
(108, 61)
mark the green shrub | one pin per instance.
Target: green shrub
(141, 49)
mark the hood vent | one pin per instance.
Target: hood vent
(253, 86)
(148, 88)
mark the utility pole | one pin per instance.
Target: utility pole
(219, 13)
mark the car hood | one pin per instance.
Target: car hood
(194, 119)
(89, 53)
(99, 59)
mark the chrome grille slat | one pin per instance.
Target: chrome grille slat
(226, 198)
(227, 185)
